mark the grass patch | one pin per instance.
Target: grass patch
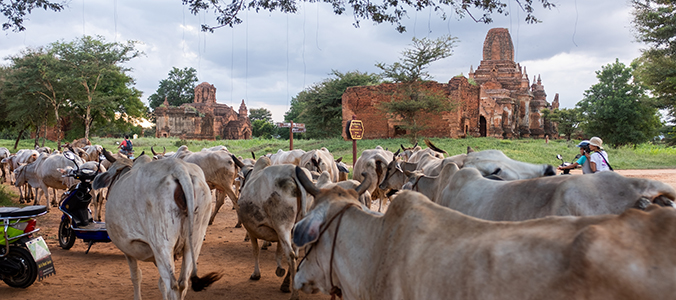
(6, 197)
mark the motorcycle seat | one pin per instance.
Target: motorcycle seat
(18, 212)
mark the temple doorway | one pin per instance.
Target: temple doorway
(482, 126)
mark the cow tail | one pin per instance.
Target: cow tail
(198, 283)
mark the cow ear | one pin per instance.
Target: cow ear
(102, 181)
(469, 150)
(307, 230)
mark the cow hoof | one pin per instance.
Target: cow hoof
(280, 272)
(255, 277)
(285, 285)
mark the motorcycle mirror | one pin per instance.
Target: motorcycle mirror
(558, 156)
(69, 155)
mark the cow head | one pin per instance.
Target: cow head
(158, 155)
(120, 165)
(394, 176)
(329, 203)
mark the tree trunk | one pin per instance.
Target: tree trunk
(16, 144)
(58, 128)
(87, 119)
(37, 135)
(44, 134)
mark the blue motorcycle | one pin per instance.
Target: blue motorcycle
(77, 222)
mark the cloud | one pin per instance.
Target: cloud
(271, 57)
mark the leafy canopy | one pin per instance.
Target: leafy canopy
(178, 88)
(377, 11)
(568, 120)
(412, 98)
(320, 105)
(617, 108)
(263, 114)
(16, 11)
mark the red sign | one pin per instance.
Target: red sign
(356, 129)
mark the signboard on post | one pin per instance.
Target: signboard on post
(356, 129)
(293, 128)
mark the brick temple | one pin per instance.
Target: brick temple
(495, 100)
(204, 119)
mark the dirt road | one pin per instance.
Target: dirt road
(103, 273)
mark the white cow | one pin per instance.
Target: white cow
(271, 201)
(43, 173)
(467, 191)
(157, 210)
(374, 163)
(219, 170)
(419, 250)
(319, 161)
(287, 157)
(494, 162)
(4, 154)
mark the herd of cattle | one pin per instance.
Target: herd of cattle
(476, 225)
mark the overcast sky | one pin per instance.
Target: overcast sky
(271, 57)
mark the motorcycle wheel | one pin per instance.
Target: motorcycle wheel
(29, 269)
(66, 235)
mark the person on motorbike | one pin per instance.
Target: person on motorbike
(583, 161)
(126, 146)
(598, 158)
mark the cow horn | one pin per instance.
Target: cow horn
(416, 145)
(306, 183)
(433, 147)
(339, 159)
(253, 155)
(165, 150)
(402, 147)
(153, 150)
(397, 153)
(469, 150)
(364, 185)
(108, 155)
(237, 161)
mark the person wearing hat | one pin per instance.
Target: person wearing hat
(582, 161)
(598, 159)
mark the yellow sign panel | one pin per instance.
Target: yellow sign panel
(356, 129)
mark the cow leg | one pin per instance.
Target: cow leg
(54, 202)
(254, 247)
(136, 276)
(278, 256)
(220, 199)
(290, 252)
(164, 260)
(186, 268)
(21, 198)
(98, 205)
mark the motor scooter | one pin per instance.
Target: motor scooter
(23, 258)
(77, 221)
(564, 164)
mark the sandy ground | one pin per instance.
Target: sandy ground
(104, 274)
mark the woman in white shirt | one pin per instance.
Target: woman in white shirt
(598, 159)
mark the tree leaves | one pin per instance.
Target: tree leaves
(617, 108)
(178, 88)
(387, 11)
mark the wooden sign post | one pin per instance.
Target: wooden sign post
(293, 128)
(355, 131)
